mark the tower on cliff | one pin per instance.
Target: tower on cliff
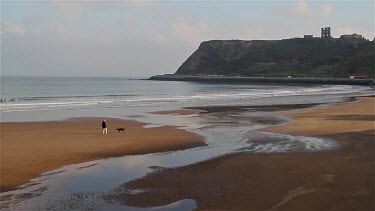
(326, 32)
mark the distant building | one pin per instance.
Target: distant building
(308, 36)
(326, 32)
(351, 36)
(358, 76)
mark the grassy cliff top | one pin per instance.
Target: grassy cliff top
(298, 57)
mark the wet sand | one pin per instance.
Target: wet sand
(345, 117)
(342, 179)
(179, 112)
(29, 149)
(281, 107)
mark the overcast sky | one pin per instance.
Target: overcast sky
(133, 38)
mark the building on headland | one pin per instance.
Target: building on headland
(358, 76)
(351, 36)
(326, 32)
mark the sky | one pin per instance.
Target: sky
(144, 38)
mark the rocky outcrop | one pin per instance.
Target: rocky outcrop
(298, 57)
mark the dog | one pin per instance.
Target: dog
(120, 129)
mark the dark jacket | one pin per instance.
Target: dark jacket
(104, 125)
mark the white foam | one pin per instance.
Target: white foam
(263, 142)
(212, 96)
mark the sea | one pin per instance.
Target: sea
(97, 185)
(52, 98)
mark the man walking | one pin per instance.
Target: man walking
(104, 126)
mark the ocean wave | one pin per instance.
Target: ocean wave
(4, 100)
(210, 97)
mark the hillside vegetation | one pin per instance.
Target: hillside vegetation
(296, 57)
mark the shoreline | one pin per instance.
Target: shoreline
(264, 80)
(280, 181)
(26, 146)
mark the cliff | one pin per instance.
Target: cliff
(315, 57)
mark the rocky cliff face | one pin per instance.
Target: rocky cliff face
(296, 57)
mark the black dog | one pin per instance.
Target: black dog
(120, 129)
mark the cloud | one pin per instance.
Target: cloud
(144, 38)
(77, 9)
(12, 29)
(326, 10)
(345, 30)
(158, 38)
(193, 33)
(301, 7)
(351, 30)
(253, 33)
(70, 9)
(143, 4)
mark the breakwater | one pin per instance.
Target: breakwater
(337, 81)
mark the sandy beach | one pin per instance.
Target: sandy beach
(341, 118)
(341, 179)
(30, 148)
